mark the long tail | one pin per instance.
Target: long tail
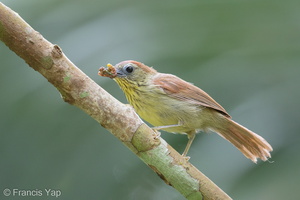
(249, 143)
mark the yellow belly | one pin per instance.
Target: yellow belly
(164, 111)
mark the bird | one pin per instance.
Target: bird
(171, 104)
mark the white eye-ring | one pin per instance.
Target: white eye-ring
(128, 69)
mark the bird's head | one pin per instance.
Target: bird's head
(133, 72)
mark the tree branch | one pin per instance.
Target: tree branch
(79, 90)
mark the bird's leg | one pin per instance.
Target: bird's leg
(191, 136)
(167, 126)
(156, 128)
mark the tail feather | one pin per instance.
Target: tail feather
(249, 143)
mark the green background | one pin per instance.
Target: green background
(245, 54)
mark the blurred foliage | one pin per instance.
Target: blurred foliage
(245, 54)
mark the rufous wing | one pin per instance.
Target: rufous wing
(180, 89)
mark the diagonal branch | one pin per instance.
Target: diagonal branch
(78, 89)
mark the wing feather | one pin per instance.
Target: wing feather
(180, 89)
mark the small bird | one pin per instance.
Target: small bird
(174, 105)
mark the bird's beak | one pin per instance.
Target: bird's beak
(119, 73)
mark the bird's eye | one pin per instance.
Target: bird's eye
(128, 68)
